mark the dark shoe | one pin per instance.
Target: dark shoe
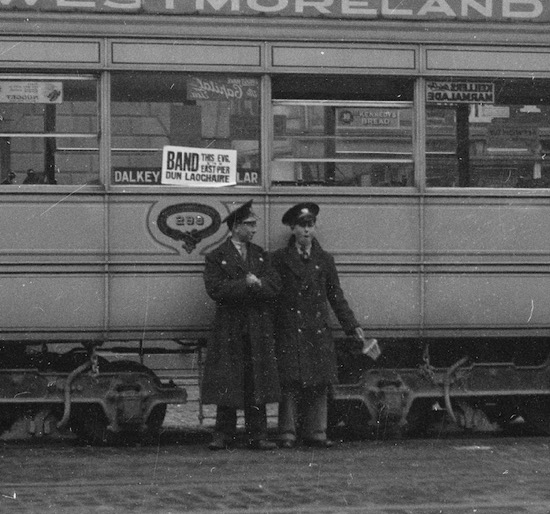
(219, 442)
(262, 444)
(319, 443)
(287, 444)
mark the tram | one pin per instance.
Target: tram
(420, 127)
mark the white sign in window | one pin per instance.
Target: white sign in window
(26, 92)
(203, 167)
(459, 92)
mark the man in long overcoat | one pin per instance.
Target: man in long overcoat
(241, 367)
(305, 349)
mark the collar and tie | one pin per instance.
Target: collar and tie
(304, 252)
(241, 248)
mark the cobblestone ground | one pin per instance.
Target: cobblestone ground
(178, 475)
(447, 474)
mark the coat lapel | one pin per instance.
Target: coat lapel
(255, 259)
(294, 261)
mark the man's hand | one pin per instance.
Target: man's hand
(359, 334)
(253, 281)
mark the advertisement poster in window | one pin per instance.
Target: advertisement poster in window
(239, 97)
(450, 92)
(363, 118)
(229, 108)
(198, 167)
(31, 92)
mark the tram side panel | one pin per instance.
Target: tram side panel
(487, 271)
(67, 275)
(52, 253)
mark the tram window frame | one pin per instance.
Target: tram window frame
(338, 131)
(166, 105)
(498, 145)
(54, 136)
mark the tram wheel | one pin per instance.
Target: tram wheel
(90, 423)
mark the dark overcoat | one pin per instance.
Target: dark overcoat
(305, 347)
(240, 310)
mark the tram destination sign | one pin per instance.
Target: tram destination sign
(460, 92)
(425, 10)
(135, 176)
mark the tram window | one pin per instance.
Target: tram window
(342, 131)
(152, 110)
(49, 130)
(500, 140)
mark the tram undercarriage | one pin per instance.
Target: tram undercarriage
(399, 396)
(475, 385)
(82, 394)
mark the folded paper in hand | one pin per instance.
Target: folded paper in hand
(371, 348)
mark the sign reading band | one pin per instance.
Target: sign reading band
(202, 167)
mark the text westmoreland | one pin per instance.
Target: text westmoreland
(465, 10)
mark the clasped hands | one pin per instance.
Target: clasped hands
(253, 281)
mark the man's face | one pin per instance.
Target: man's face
(304, 232)
(245, 230)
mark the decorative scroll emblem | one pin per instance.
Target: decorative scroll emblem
(188, 222)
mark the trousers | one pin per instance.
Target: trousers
(304, 410)
(255, 422)
(254, 415)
